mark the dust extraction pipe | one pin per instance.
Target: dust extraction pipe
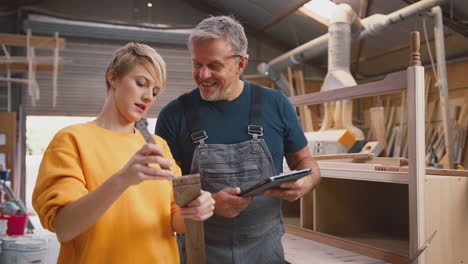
(442, 82)
(370, 26)
(339, 74)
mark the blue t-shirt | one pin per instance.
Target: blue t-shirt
(225, 122)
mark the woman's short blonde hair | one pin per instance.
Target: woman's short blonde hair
(132, 54)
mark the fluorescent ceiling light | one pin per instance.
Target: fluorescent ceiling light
(319, 10)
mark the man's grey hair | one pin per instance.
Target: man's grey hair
(218, 27)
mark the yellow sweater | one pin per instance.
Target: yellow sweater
(136, 228)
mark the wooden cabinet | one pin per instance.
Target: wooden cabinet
(388, 215)
(370, 214)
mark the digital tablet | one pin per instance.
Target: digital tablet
(274, 182)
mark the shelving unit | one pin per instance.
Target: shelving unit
(388, 215)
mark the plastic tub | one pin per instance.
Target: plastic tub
(16, 224)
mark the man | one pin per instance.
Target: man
(235, 133)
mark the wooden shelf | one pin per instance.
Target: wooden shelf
(367, 175)
(349, 245)
(390, 243)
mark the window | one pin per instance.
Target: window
(319, 10)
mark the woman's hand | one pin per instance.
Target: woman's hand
(200, 209)
(137, 168)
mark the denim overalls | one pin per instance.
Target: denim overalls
(254, 236)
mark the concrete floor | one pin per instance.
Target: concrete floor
(303, 251)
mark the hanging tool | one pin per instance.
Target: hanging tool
(142, 126)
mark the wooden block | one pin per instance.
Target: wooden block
(372, 147)
(186, 189)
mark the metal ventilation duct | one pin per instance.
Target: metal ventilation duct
(40, 24)
(371, 25)
(339, 75)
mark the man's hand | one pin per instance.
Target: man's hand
(228, 204)
(293, 190)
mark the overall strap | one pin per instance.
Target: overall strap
(192, 118)
(255, 128)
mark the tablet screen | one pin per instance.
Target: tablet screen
(274, 181)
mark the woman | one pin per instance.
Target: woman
(95, 188)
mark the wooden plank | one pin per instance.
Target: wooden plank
(382, 161)
(416, 152)
(345, 156)
(378, 126)
(347, 245)
(465, 148)
(23, 67)
(346, 166)
(389, 161)
(305, 115)
(186, 189)
(36, 41)
(15, 80)
(440, 172)
(399, 137)
(35, 59)
(431, 108)
(394, 82)
(290, 82)
(376, 176)
(389, 123)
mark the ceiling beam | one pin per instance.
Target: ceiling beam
(453, 22)
(279, 17)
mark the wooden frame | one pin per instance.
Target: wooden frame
(411, 80)
(31, 63)
(36, 41)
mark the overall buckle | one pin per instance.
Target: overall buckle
(199, 136)
(255, 131)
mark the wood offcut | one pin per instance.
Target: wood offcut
(186, 189)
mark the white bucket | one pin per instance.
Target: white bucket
(31, 251)
(8, 250)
